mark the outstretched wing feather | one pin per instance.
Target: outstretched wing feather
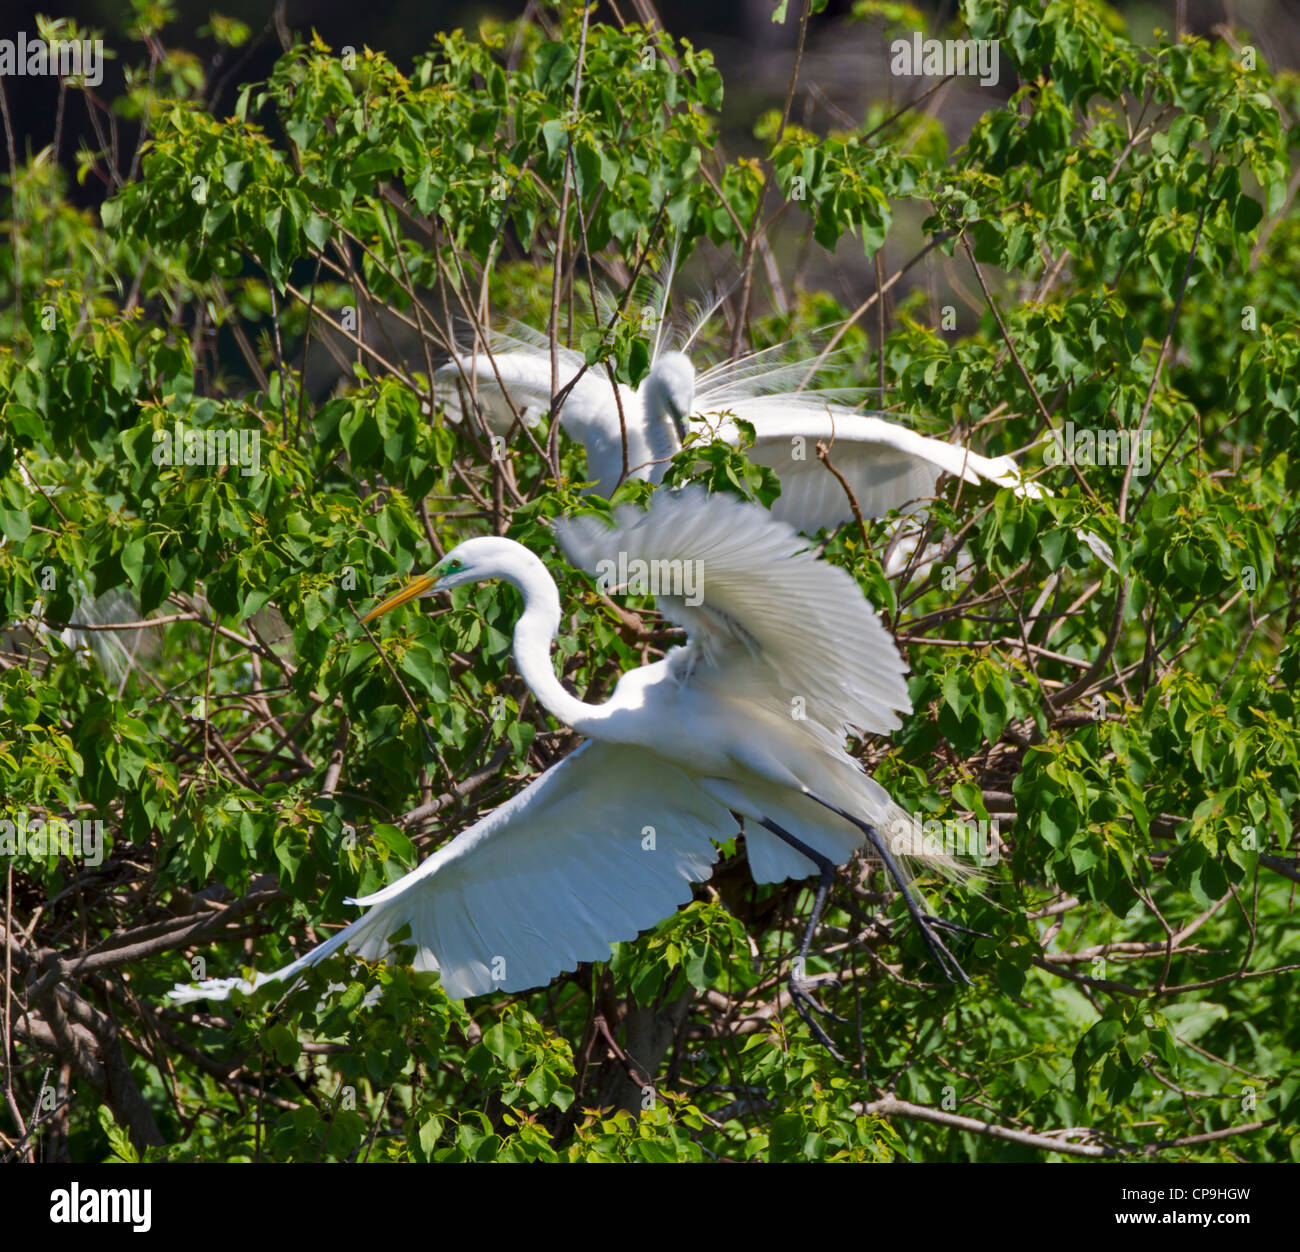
(769, 609)
(885, 464)
(547, 880)
(517, 370)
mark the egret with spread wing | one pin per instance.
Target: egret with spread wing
(784, 658)
(885, 464)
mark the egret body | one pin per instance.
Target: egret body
(784, 658)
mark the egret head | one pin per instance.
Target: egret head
(670, 389)
(468, 562)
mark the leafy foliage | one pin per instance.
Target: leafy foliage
(1128, 726)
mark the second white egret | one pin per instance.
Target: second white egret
(885, 464)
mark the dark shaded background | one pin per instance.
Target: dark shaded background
(845, 68)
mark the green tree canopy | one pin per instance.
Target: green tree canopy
(1112, 250)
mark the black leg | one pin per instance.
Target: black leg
(960, 930)
(925, 921)
(798, 983)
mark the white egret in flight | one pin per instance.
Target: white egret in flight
(784, 657)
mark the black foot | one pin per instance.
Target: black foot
(961, 930)
(925, 921)
(800, 984)
(802, 1001)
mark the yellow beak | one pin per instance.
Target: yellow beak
(416, 587)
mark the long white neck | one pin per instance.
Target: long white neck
(661, 439)
(534, 633)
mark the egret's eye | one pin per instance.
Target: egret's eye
(453, 567)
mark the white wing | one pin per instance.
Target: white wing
(885, 464)
(549, 879)
(520, 368)
(770, 613)
(521, 362)
(527, 383)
